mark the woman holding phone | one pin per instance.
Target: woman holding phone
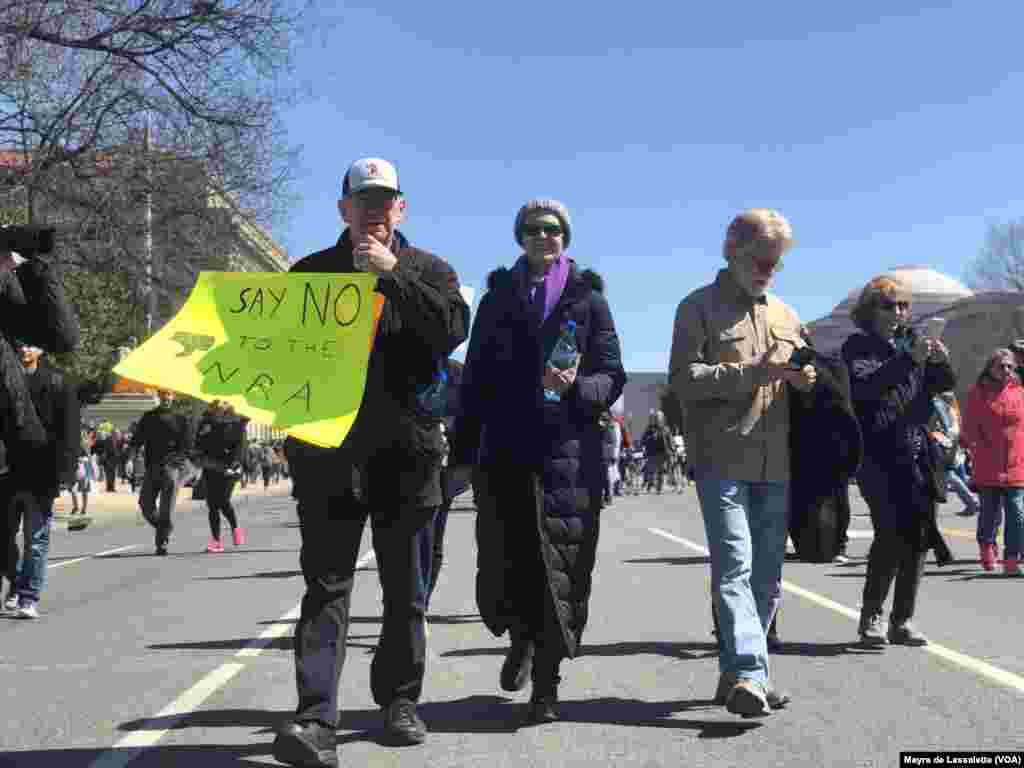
(894, 374)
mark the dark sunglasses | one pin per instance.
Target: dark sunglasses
(767, 266)
(891, 305)
(532, 230)
(375, 198)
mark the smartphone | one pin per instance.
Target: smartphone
(933, 327)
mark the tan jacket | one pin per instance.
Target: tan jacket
(737, 425)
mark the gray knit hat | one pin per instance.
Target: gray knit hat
(544, 204)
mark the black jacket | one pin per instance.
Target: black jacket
(424, 318)
(892, 396)
(164, 433)
(220, 441)
(33, 309)
(826, 450)
(43, 468)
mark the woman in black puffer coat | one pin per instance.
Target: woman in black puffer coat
(540, 471)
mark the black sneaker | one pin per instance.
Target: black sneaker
(515, 671)
(905, 634)
(161, 549)
(307, 745)
(542, 708)
(402, 725)
(871, 630)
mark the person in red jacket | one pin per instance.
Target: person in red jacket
(994, 431)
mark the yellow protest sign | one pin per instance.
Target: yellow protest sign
(285, 349)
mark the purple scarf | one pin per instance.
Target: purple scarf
(554, 281)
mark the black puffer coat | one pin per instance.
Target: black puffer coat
(539, 463)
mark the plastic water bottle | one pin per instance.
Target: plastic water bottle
(432, 398)
(563, 356)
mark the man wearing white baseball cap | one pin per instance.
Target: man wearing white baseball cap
(388, 470)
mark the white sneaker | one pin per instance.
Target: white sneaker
(28, 611)
(11, 603)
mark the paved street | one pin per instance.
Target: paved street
(186, 661)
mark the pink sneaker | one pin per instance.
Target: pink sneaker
(239, 536)
(1011, 567)
(988, 556)
(214, 546)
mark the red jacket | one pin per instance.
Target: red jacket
(994, 431)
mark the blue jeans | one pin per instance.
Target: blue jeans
(993, 501)
(957, 482)
(37, 513)
(746, 526)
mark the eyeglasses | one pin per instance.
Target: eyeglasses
(534, 230)
(890, 305)
(764, 256)
(375, 198)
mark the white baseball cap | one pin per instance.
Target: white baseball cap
(370, 173)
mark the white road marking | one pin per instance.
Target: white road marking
(132, 745)
(978, 667)
(90, 557)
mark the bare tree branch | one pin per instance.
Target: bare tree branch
(80, 79)
(1000, 264)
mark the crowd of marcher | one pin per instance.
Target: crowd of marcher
(774, 432)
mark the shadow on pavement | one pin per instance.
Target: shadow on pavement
(671, 649)
(198, 755)
(352, 620)
(976, 575)
(261, 575)
(454, 618)
(696, 560)
(855, 647)
(497, 714)
(193, 553)
(472, 714)
(276, 644)
(946, 571)
(263, 719)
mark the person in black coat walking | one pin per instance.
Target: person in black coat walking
(388, 470)
(168, 438)
(533, 431)
(37, 472)
(220, 443)
(894, 375)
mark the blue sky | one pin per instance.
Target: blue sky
(887, 137)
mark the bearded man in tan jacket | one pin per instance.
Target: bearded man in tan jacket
(731, 366)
